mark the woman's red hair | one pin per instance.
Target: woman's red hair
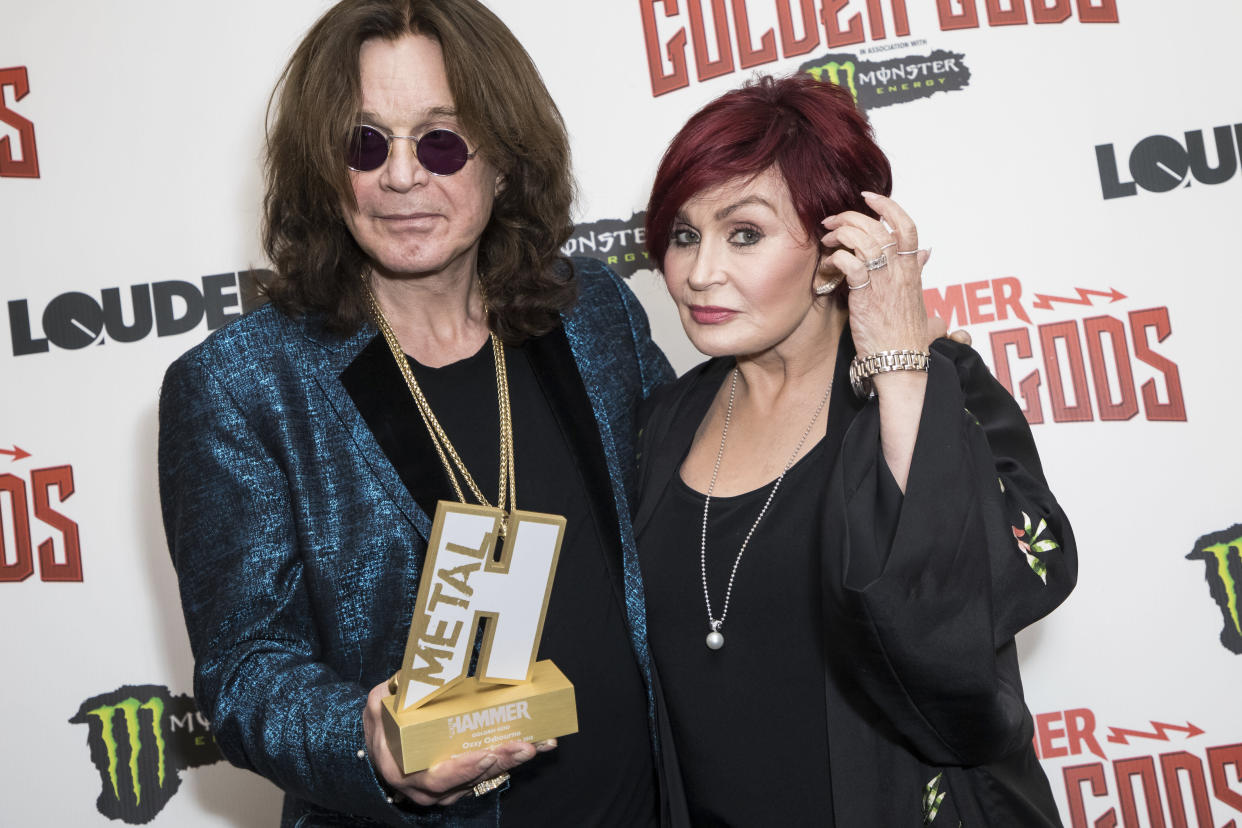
(810, 131)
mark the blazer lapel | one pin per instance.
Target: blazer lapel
(326, 358)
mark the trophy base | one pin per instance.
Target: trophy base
(474, 716)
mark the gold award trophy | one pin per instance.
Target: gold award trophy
(437, 711)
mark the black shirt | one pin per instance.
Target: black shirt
(604, 774)
(749, 718)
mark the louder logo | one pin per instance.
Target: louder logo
(75, 320)
(1160, 163)
(20, 160)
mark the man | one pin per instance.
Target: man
(418, 183)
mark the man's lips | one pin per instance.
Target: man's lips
(408, 219)
(710, 314)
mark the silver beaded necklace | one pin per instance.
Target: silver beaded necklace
(715, 638)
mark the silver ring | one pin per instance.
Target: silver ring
(887, 246)
(878, 263)
(907, 252)
(858, 287)
(489, 785)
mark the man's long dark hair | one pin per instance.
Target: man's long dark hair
(504, 107)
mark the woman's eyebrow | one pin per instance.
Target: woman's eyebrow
(724, 212)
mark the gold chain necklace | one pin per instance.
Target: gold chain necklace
(453, 465)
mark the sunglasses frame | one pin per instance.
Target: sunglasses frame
(389, 137)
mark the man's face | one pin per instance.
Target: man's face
(409, 222)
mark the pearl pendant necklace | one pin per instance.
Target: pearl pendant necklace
(715, 638)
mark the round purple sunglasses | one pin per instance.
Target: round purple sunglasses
(440, 151)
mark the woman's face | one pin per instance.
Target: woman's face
(408, 221)
(740, 267)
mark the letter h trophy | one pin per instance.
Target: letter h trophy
(437, 710)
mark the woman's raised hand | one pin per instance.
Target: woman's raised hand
(883, 273)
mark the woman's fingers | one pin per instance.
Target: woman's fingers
(902, 225)
(886, 302)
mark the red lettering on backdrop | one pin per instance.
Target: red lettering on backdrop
(949, 306)
(1144, 768)
(1080, 728)
(748, 55)
(1181, 762)
(1097, 11)
(1218, 758)
(1028, 388)
(1062, 411)
(1175, 409)
(1095, 329)
(957, 14)
(875, 17)
(42, 480)
(1008, 290)
(18, 564)
(723, 64)
(28, 167)
(1050, 11)
(21, 566)
(976, 303)
(662, 82)
(1092, 774)
(964, 304)
(837, 37)
(1046, 733)
(1014, 15)
(901, 21)
(791, 45)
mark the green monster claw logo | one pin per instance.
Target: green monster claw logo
(139, 738)
(1222, 552)
(834, 71)
(129, 708)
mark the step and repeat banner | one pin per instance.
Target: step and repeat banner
(1074, 164)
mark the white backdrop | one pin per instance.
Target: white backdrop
(145, 119)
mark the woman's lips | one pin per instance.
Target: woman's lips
(710, 314)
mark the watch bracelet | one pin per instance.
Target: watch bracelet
(863, 368)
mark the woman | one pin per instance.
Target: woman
(834, 574)
(418, 195)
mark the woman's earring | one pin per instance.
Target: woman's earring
(828, 287)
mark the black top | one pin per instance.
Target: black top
(604, 774)
(759, 697)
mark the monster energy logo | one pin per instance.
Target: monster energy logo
(139, 738)
(1222, 552)
(897, 80)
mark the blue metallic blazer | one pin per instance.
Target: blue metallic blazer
(298, 549)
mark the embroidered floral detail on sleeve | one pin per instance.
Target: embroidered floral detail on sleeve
(1029, 542)
(932, 797)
